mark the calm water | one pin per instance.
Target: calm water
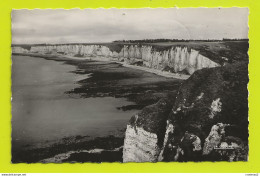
(42, 112)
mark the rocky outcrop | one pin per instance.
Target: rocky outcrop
(208, 119)
(175, 59)
(145, 133)
(214, 138)
(140, 145)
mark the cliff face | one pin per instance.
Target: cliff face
(175, 59)
(18, 49)
(207, 121)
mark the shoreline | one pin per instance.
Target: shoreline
(107, 59)
(68, 156)
(110, 79)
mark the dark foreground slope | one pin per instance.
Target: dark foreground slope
(210, 116)
(208, 120)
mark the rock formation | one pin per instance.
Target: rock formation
(208, 120)
(145, 133)
(175, 59)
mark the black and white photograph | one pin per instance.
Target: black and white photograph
(130, 85)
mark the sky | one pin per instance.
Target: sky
(107, 25)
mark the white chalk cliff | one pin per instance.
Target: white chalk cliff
(18, 49)
(175, 59)
(140, 145)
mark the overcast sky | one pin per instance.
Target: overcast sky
(106, 25)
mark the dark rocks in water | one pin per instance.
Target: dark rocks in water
(103, 156)
(114, 80)
(130, 107)
(208, 120)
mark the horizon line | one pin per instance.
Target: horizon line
(128, 41)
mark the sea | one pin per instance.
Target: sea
(42, 111)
